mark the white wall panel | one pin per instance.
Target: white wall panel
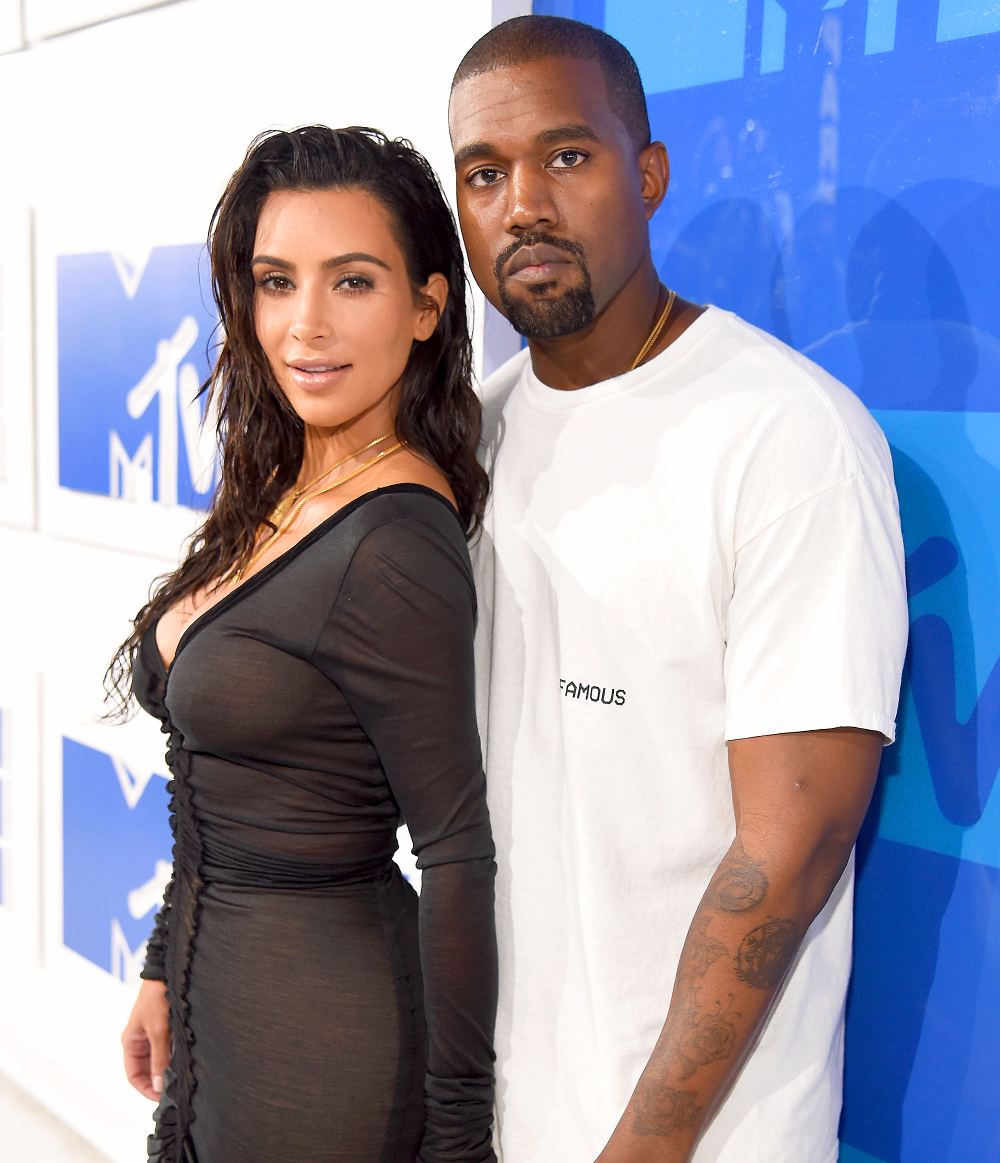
(17, 435)
(11, 38)
(51, 17)
(20, 819)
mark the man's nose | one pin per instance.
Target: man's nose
(530, 201)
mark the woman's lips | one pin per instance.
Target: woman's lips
(314, 379)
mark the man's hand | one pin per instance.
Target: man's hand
(799, 801)
(146, 1040)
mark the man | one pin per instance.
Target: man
(693, 574)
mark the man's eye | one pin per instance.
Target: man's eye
(568, 159)
(484, 177)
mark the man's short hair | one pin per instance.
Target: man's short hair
(526, 39)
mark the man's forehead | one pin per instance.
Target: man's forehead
(521, 101)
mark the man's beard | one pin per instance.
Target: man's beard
(571, 312)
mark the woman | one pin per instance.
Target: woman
(311, 663)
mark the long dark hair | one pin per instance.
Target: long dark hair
(260, 436)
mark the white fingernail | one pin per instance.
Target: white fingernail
(158, 1083)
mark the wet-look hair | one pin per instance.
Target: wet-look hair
(261, 438)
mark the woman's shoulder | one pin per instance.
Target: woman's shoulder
(410, 533)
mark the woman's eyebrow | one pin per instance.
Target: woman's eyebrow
(338, 261)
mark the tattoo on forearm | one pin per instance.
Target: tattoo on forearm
(701, 1032)
(662, 1110)
(705, 1037)
(739, 885)
(766, 952)
(700, 950)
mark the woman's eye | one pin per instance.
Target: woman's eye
(355, 283)
(274, 283)
(568, 159)
(484, 177)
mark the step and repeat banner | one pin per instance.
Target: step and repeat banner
(834, 181)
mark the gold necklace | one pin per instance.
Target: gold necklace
(303, 500)
(283, 507)
(654, 335)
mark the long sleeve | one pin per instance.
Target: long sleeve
(154, 968)
(148, 683)
(398, 643)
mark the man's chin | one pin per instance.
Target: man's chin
(549, 316)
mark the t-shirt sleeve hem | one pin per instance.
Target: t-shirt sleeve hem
(810, 719)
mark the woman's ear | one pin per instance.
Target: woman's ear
(432, 296)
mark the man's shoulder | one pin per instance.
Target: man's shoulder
(500, 383)
(786, 385)
(496, 390)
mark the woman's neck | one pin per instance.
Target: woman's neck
(325, 447)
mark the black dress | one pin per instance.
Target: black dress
(317, 1014)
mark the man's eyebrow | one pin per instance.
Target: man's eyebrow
(473, 151)
(339, 261)
(577, 131)
(484, 151)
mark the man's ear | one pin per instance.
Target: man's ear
(654, 176)
(433, 295)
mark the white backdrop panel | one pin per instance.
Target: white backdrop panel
(51, 17)
(17, 437)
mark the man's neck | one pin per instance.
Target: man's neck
(608, 347)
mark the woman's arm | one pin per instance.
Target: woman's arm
(398, 642)
(146, 1037)
(146, 1040)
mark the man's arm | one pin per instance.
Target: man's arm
(799, 800)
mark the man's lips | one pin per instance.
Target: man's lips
(532, 264)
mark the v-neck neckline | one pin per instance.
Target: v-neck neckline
(255, 580)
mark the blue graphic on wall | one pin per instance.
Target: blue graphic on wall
(833, 180)
(134, 341)
(116, 857)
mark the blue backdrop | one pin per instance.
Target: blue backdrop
(834, 180)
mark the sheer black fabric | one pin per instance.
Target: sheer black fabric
(318, 1012)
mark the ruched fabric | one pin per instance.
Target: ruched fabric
(318, 1011)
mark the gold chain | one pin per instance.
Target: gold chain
(654, 335)
(303, 500)
(282, 508)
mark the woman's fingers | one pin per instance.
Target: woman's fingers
(159, 1057)
(136, 1047)
(146, 1040)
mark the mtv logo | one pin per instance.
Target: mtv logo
(133, 339)
(116, 857)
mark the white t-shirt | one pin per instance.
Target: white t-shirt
(704, 549)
